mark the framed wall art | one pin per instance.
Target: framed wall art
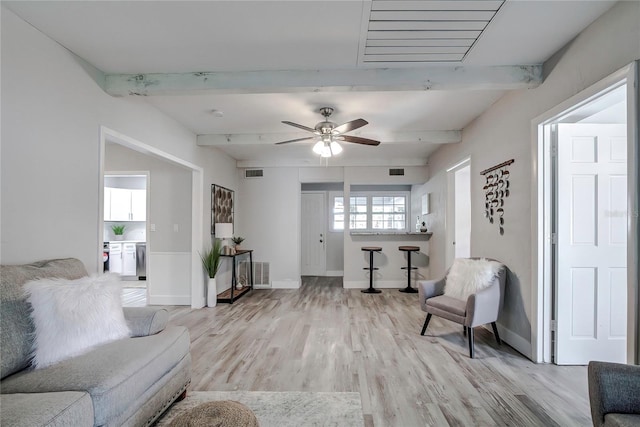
(221, 206)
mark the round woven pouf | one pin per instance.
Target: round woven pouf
(223, 413)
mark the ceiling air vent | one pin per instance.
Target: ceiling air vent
(396, 172)
(253, 173)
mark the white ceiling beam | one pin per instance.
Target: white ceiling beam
(381, 79)
(430, 137)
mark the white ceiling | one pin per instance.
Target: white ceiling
(139, 37)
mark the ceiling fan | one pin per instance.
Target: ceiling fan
(330, 133)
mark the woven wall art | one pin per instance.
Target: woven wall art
(496, 190)
(221, 206)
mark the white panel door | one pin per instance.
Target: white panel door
(592, 249)
(128, 259)
(313, 240)
(139, 205)
(120, 204)
(115, 258)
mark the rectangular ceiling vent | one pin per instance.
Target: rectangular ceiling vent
(396, 172)
(253, 173)
(422, 32)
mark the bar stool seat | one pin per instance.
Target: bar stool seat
(409, 250)
(371, 268)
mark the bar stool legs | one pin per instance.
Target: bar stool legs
(408, 250)
(371, 269)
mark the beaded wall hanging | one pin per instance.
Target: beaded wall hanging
(496, 190)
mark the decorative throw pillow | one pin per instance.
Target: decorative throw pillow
(72, 316)
(468, 276)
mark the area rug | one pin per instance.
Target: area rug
(283, 409)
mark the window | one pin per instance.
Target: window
(388, 213)
(337, 214)
(373, 211)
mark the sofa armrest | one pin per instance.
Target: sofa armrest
(613, 388)
(429, 289)
(144, 321)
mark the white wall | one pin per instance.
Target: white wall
(504, 132)
(268, 215)
(52, 111)
(169, 196)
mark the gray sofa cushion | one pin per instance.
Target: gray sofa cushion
(62, 409)
(114, 374)
(621, 420)
(145, 321)
(16, 327)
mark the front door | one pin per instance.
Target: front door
(591, 276)
(313, 240)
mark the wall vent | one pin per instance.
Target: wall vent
(260, 274)
(396, 172)
(253, 173)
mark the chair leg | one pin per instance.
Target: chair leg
(495, 332)
(464, 330)
(426, 322)
(470, 342)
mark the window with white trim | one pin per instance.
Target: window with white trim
(379, 211)
(337, 214)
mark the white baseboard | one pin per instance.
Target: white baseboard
(169, 300)
(335, 273)
(285, 284)
(514, 340)
(262, 287)
(378, 284)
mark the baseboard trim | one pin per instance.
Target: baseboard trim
(285, 284)
(169, 300)
(335, 273)
(514, 340)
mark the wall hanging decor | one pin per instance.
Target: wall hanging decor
(221, 206)
(496, 189)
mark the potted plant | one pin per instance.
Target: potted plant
(118, 231)
(211, 263)
(236, 241)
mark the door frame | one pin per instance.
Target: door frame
(324, 225)
(197, 207)
(542, 212)
(450, 219)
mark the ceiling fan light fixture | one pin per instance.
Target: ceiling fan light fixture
(327, 149)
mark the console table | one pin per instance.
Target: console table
(232, 294)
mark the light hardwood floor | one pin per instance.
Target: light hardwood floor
(326, 338)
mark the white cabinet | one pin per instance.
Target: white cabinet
(138, 205)
(128, 259)
(122, 258)
(121, 204)
(115, 257)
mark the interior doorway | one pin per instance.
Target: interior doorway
(190, 265)
(585, 223)
(459, 211)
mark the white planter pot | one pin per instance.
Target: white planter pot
(212, 292)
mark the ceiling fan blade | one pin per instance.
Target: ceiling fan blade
(308, 129)
(295, 140)
(358, 140)
(349, 126)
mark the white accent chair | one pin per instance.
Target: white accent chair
(479, 308)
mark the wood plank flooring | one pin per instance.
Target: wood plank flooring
(326, 338)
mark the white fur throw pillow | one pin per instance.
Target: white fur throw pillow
(72, 316)
(468, 276)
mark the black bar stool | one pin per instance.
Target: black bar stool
(371, 268)
(408, 250)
